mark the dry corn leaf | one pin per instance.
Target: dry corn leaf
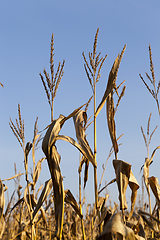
(44, 194)
(39, 189)
(2, 199)
(27, 150)
(105, 216)
(85, 152)
(54, 129)
(37, 170)
(53, 159)
(34, 203)
(101, 201)
(111, 81)
(28, 200)
(146, 169)
(69, 198)
(122, 170)
(115, 229)
(54, 167)
(17, 203)
(124, 176)
(52, 132)
(112, 181)
(153, 182)
(146, 173)
(134, 186)
(86, 172)
(17, 175)
(111, 122)
(110, 84)
(80, 120)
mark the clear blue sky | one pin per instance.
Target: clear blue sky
(25, 33)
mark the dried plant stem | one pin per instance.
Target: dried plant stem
(95, 150)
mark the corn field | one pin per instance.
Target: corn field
(52, 212)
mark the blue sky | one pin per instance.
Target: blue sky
(26, 28)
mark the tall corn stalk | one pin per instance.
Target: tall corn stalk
(18, 130)
(93, 74)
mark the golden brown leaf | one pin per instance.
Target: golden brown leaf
(69, 198)
(134, 186)
(153, 182)
(111, 81)
(44, 194)
(122, 170)
(84, 151)
(111, 122)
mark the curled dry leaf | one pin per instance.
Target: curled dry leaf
(27, 150)
(112, 181)
(69, 198)
(153, 182)
(146, 173)
(49, 138)
(122, 170)
(74, 143)
(53, 159)
(115, 229)
(111, 81)
(134, 186)
(111, 122)
(2, 199)
(44, 194)
(80, 120)
(124, 176)
(37, 170)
